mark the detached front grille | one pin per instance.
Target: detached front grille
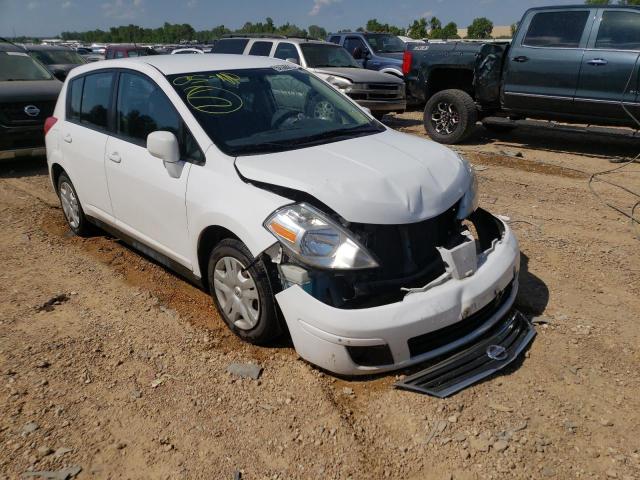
(14, 114)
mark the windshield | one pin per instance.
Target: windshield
(20, 66)
(320, 55)
(58, 57)
(252, 111)
(385, 43)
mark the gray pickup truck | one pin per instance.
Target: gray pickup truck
(575, 64)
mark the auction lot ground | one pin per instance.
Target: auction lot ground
(126, 379)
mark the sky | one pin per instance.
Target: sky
(50, 17)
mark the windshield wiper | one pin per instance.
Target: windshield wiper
(337, 133)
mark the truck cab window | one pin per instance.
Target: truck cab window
(619, 30)
(556, 29)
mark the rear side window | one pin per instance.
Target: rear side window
(143, 108)
(261, 49)
(232, 45)
(286, 50)
(619, 30)
(557, 29)
(75, 98)
(96, 97)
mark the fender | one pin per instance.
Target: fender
(392, 71)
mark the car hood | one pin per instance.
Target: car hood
(29, 90)
(358, 75)
(386, 178)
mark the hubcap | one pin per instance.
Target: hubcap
(236, 292)
(70, 205)
(445, 118)
(324, 111)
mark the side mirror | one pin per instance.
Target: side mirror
(164, 145)
(60, 74)
(368, 110)
(293, 60)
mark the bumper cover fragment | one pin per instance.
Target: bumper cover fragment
(492, 353)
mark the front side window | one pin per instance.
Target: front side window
(143, 108)
(323, 55)
(619, 30)
(252, 111)
(75, 102)
(286, 50)
(261, 49)
(556, 29)
(385, 43)
(96, 98)
(119, 54)
(230, 45)
(18, 66)
(353, 45)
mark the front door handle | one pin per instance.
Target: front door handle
(67, 138)
(115, 157)
(521, 59)
(597, 62)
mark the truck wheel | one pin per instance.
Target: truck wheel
(449, 116)
(241, 290)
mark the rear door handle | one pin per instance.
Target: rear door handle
(521, 59)
(597, 62)
(115, 157)
(68, 138)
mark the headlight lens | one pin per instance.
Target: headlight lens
(317, 240)
(470, 200)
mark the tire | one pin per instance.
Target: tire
(71, 207)
(450, 116)
(499, 128)
(243, 298)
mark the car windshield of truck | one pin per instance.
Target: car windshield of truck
(320, 55)
(58, 57)
(385, 43)
(18, 66)
(246, 112)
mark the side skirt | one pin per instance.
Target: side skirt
(158, 257)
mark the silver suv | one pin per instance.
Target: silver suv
(379, 92)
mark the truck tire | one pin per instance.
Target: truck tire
(450, 116)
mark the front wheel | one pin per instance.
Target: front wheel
(241, 290)
(450, 116)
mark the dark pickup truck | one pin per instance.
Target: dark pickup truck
(574, 64)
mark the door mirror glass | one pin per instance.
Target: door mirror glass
(164, 145)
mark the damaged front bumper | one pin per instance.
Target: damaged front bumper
(425, 324)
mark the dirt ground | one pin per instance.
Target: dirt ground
(124, 376)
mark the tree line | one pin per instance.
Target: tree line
(177, 32)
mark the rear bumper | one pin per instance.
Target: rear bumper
(422, 326)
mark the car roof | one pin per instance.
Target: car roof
(296, 40)
(175, 64)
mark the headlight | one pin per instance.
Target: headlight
(470, 200)
(340, 83)
(316, 239)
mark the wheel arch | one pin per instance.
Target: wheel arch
(56, 171)
(450, 78)
(207, 240)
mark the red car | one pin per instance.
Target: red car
(126, 51)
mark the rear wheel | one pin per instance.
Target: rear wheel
(241, 290)
(71, 207)
(450, 116)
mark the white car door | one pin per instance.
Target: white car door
(84, 138)
(148, 203)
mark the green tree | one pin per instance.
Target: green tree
(480, 28)
(418, 29)
(598, 2)
(450, 30)
(317, 32)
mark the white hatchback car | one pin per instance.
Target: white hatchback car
(297, 210)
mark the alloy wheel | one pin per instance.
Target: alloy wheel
(445, 118)
(70, 205)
